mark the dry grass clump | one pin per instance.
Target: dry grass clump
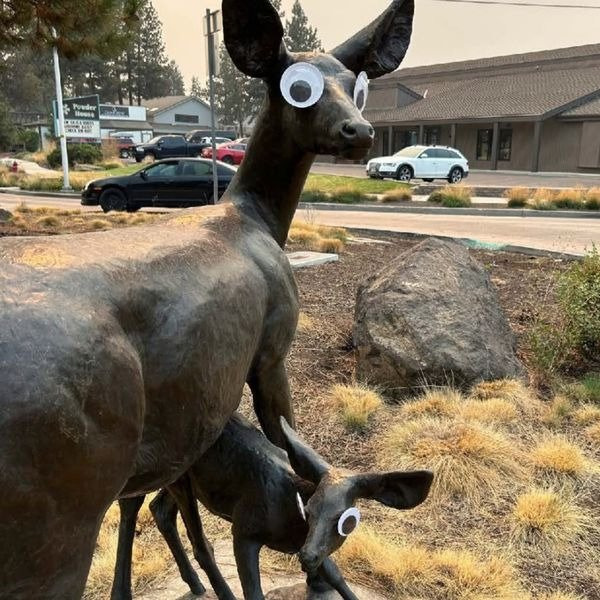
(543, 199)
(494, 410)
(152, 560)
(100, 224)
(548, 518)
(452, 196)
(517, 197)
(588, 414)
(318, 238)
(572, 198)
(592, 433)
(305, 323)
(511, 390)
(48, 221)
(558, 412)
(592, 199)
(556, 454)
(414, 572)
(560, 596)
(356, 403)
(440, 402)
(403, 194)
(469, 460)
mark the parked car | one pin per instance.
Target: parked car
(232, 153)
(172, 182)
(199, 136)
(125, 146)
(166, 146)
(421, 162)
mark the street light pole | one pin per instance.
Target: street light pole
(61, 118)
(211, 28)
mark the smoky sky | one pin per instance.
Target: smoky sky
(443, 31)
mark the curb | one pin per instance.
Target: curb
(478, 212)
(20, 192)
(475, 244)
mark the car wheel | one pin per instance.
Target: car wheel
(228, 159)
(132, 208)
(404, 173)
(428, 180)
(456, 175)
(113, 199)
(124, 154)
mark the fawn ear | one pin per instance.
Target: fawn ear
(305, 461)
(380, 47)
(401, 490)
(253, 36)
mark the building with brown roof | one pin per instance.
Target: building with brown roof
(538, 111)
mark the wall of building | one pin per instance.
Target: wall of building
(560, 146)
(191, 108)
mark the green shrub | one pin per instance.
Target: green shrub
(41, 184)
(571, 199)
(314, 196)
(592, 199)
(29, 139)
(349, 196)
(579, 296)
(585, 391)
(435, 197)
(86, 154)
(452, 196)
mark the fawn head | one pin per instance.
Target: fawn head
(318, 98)
(331, 513)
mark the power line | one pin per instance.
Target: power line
(527, 4)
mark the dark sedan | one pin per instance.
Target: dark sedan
(176, 182)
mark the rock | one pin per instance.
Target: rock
(432, 317)
(5, 215)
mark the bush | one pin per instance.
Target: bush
(78, 153)
(313, 196)
(517, 197)
(29, 139)
(572, 199)
(543, 199)
(403, 194)
(349, 196)
(592, 199)
(452, 196)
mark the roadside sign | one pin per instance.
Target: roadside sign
(82, 118)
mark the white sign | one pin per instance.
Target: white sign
(79, 128)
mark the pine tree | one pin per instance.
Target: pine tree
(174, 79)
(198, 90)
(299, 35)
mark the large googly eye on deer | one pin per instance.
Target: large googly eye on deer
(361, 91)
(348, 522)
(302, 85)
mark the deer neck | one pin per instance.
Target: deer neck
(273, 173)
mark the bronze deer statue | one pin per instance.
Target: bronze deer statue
(296, 505)
(123, 354)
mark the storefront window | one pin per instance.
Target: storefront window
(432, 136)
(505, 149)
(484, 144)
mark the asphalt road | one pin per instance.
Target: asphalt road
(543, 233)
(487, 178)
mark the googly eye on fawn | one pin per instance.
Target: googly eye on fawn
(348, 522)
(301, 506)
(302, 85)
(361, 91)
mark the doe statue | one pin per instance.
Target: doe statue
(123, 354)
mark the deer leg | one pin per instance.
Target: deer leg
(164, 511)
(182, 492)
(247, 553)
(330, 573)
(129, 509)
(272, 398)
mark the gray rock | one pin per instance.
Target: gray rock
(5, 215)
(432, 317)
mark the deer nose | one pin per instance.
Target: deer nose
(357, 133)
(309, 560)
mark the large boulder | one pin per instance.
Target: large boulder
(432, 317)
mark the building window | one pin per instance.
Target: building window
(187, 119)
(484, 144)
(432, 136)
(505, 144)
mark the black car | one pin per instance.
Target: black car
(172, 183)
(166, 146)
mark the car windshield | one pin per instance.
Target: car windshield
(410, 152)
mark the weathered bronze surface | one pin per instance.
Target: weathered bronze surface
(248, 481)
(123, 354)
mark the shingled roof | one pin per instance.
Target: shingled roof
(526, 86)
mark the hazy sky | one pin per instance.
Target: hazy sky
(443, 31)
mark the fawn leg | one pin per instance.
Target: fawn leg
(272, 398)
(182, 492)
(330, 573)
(129, 509)
(247, 553)
(164, 511)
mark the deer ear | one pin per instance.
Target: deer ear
(380, 47)
(305, 461)
(253, 36)
(401, 490)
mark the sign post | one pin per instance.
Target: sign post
(212, 24)
(61, 121)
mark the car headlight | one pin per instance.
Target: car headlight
(139, 149)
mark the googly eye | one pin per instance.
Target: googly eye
(348, 522)
(301, 507)
(361, 91)
(302, 85)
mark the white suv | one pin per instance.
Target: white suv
(421, 162)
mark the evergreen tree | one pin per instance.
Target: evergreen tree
(299, 35)
(198, 90)
(7, 129)
(174, 80)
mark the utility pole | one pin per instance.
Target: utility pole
(61, 117)
(212, 24)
